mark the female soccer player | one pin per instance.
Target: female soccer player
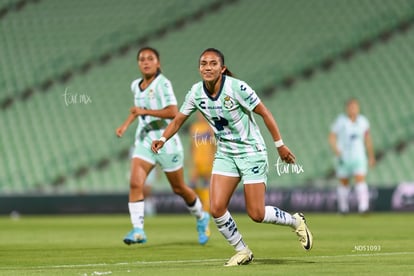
(155, 106)
(227, 103)
(350, 140)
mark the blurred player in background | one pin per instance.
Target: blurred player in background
(350, 140)
(155, 106)
(228, 105)
(203, 148)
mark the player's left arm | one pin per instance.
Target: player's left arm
(168, 103)
(270, 122)
(370, 148)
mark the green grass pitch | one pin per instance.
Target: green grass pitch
(380, 244)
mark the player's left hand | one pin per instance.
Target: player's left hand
(286, 155)
(156, 145)
(137, 111)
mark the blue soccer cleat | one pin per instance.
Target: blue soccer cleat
(136, 235)
(203, 229)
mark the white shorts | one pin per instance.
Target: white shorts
(251, 169)
(346, 168)
(169, 162)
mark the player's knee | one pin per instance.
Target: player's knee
(217, 211)
(133, 184)
(257, 219)
(178, 190)
(256, 216)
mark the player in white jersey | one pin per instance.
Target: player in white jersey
(228, 105)
(155, 106)
(350, 141)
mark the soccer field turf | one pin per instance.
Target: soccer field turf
(380, 243)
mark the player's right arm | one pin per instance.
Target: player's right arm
(167, 112)
(121, 130)
(333, 135)
(169, 131)
(132, 115)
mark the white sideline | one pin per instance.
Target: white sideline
(212, 260)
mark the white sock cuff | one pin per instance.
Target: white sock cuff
(344, 187)
(268, 214)
(136, 212)
(222, 219)
(196, 209)
(361, 186)
(135, 206)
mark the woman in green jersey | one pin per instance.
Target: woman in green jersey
(155, 106)
(228, 105)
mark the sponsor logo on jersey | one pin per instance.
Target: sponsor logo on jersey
(252, 98)
(202, 105)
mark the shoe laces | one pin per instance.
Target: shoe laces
(300, 234)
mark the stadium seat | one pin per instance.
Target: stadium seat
(48, 141)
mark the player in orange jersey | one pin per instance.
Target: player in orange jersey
(203, 148)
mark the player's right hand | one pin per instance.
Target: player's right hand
(120, 131)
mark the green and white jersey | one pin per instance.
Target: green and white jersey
(158, 95)
(350, 136)
(230, 115)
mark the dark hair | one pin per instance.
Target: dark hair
(221, 56)
(155, 51)
(351, 100)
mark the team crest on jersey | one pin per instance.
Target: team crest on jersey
(151, 94)
(228, 102)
